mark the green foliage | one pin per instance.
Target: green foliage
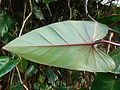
(16, 86)
(38, 14)
(116, 57)
(47, 5)
(49, 1)
(109, 19)
(6, 65)
(30, 72)
(112, 21)
(106, 82)
(23, 65)
(36, 86)
(52, 77)
(5, 23)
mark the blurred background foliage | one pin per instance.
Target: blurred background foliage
(16, 13)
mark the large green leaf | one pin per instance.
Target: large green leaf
(6, 65)
(106, 82)
(116, 56)
(67, 44)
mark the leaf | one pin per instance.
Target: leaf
(30, 72)
(7, 38)
(6, 65)
(109, 19)
(38, 14)
(3, 60)
(36, 86)
(23, 64)
(16, 86)
(106, 82)
(117, 27)
(67, 44)
(61, 85)
(52, 77)
(41, 79)
(49, 1)
(44, 87)
(5, 23)
(116, 57)
(37, 1)
(112, 21)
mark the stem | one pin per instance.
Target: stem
(106, 41)
(20, 33)
(87, 13)
(70, 9)
(21, 79)
(24, 21)
(110, 38)
(49, 9)
(12, 77)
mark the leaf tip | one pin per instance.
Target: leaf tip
(4, 47)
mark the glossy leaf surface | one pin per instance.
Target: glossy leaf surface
(67, 44)
(6, 65)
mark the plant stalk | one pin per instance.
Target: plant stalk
(106, 41)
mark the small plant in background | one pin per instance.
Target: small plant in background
(69, 55)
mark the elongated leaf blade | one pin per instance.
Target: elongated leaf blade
(6, 65)
(65, 44)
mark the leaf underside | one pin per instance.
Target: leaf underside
(66, 44)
